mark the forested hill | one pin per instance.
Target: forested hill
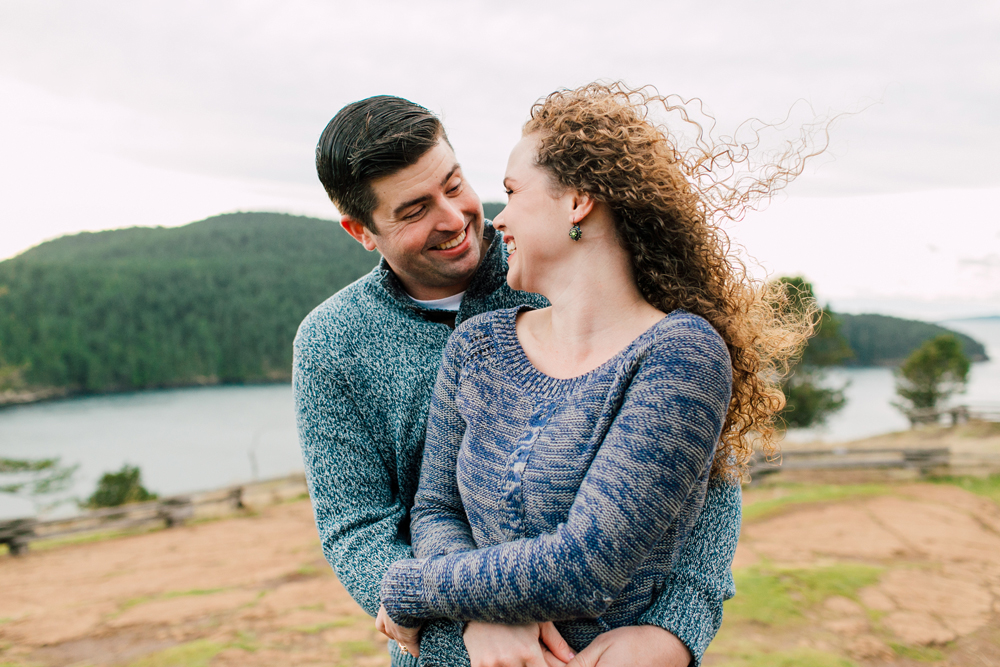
(880, 340)
(214, 301)
(219, 301)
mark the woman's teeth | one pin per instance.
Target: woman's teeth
(452, 243)
(511, 247)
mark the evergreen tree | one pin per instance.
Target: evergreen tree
(935, 371)
(120, 488)
(807, 401)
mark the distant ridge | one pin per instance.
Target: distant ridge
(881, 340)
(218, 300)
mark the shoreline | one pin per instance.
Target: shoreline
(12, 399)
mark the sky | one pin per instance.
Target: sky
(115, 114)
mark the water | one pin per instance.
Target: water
(204, 438)
(871, 391)
(182, 439)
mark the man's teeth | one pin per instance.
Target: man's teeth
(511, 247)
(452, 243)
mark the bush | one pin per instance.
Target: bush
(932, 374)
(120, 488)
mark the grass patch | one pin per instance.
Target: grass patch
(919, 653)
(86, 538)
(128, 604)
(802, 494)
(345, 622)
(355, 648)
(761, 596)
(988, 487)
(246, 641)
(308, 570)
(193, 654)
(776, 596)
(796, 658)
(191, 593)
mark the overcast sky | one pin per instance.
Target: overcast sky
(119, 113)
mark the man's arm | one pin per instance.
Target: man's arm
(357, 511)
(690, 606)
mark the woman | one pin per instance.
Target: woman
(568, 449)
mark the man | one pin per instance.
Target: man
(365, 365)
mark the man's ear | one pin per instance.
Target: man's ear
(359, 231)
(583, 204)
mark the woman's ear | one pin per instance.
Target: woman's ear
(583, 204)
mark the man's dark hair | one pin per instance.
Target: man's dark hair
(369, 139)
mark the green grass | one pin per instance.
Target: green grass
(919, 653)
(354, 648)
(776, 596)
(345, 622)
(133, 602)
(193, 654)
(988, 487)
(796, 658)
(191, 593)
(802, 494)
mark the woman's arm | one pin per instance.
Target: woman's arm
(659, 444)
(438, 523)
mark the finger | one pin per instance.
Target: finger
(554, 641)
(412, 646)
(552, 661)
(589, 656)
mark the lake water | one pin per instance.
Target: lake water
(208, 437)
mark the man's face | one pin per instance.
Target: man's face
(429, 223)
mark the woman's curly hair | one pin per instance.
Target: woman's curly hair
(668, 206)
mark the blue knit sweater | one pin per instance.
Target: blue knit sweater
(364, 369)
(572, 498)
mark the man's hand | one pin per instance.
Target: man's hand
(531, 645)
(635, 645)
(407, 638)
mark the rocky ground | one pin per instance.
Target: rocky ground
(829, 575)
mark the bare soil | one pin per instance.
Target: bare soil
(255, 590)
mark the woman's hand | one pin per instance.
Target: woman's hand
(407, 638)
(634, 646)
(530, 645)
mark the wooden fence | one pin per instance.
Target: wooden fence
(924, 460)
(162, 513)
(988, 412)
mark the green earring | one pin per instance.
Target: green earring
(575, 233)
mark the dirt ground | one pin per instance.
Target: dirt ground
(829, 576)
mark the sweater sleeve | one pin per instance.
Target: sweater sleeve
(690, 605)
(656, 449)
(438, 523)
(358, 511)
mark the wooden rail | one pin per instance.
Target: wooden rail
(163, 513)
(922, 459)
(957, 414)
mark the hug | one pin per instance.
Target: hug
(524, 438)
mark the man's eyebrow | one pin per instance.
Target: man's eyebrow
(419, 200)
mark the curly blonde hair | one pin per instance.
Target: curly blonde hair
(668, 206)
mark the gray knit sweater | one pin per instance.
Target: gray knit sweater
(572, 498)
(364, 369)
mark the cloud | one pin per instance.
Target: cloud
(120, 113)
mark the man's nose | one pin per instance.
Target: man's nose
(453, 218)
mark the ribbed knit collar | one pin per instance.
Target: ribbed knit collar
(519, 366)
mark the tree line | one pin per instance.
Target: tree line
(220, 300)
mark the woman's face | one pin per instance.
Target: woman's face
(536, 222)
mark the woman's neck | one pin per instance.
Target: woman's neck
(597, 311)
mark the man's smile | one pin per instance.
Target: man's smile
(447, 245)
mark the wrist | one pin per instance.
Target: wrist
(403, 595)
